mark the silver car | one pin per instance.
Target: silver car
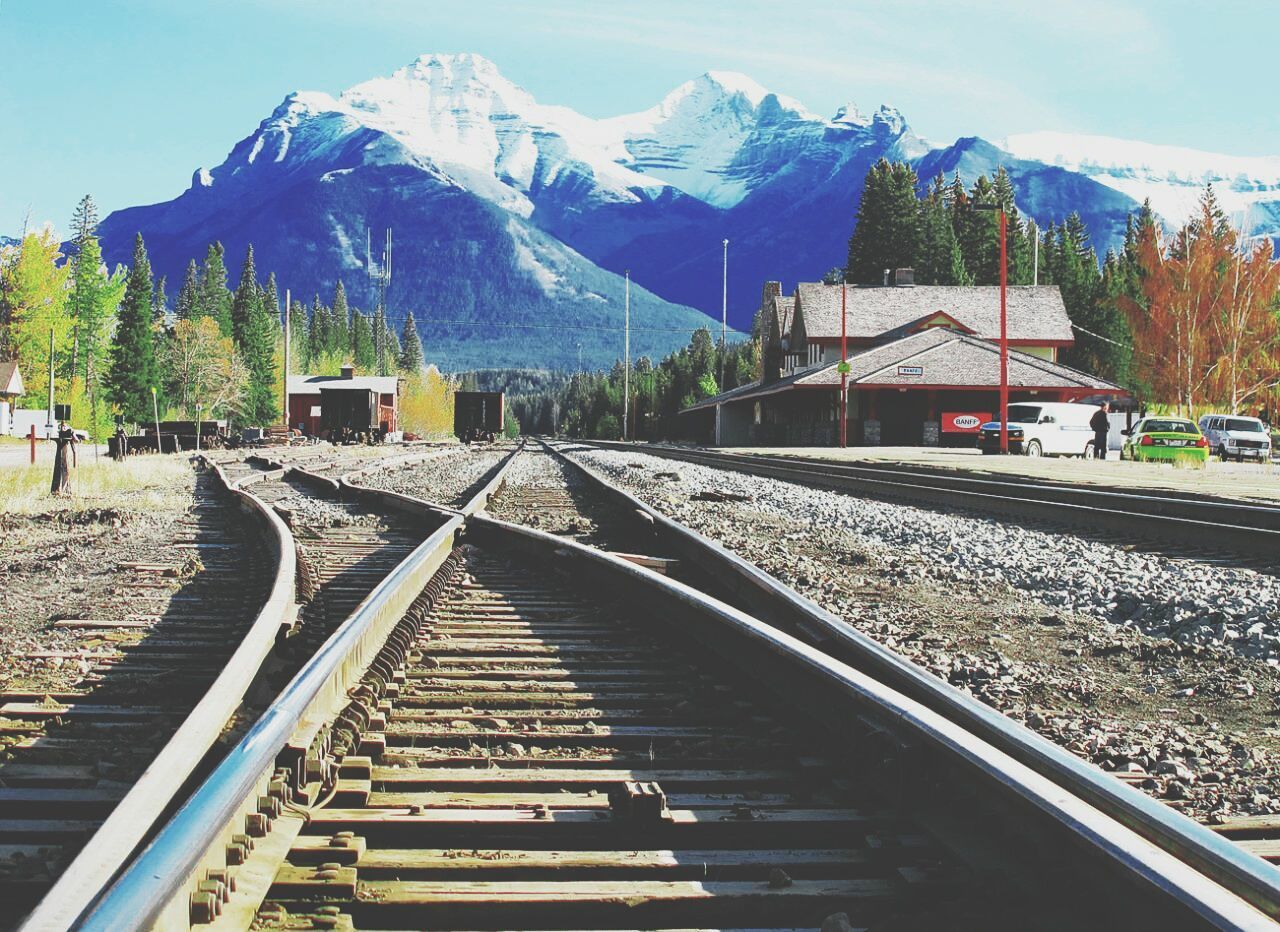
(1235, 437)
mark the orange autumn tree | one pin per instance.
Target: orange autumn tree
(1205, 326)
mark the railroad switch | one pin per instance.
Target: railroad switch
(636, 802)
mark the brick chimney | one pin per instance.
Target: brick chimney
(348, 371)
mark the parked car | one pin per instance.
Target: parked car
(1048, 428)
(1165, 440)
(1241, 437)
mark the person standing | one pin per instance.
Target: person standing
(64, 452)
(1101, 425)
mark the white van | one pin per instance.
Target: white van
(1043, 428)
(1241, 437)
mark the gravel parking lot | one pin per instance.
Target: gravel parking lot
(1161, 670)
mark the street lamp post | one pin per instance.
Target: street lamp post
(1004, 327)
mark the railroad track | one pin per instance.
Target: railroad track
(570, 772)
(1178, 524)
(451, 704)
(443, 722)
(148, 656)
(219, 651)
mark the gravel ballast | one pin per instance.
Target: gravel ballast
(448, 479)
(1161, 670)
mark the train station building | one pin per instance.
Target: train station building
(924, 365)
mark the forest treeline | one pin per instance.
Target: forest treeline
(120, 344)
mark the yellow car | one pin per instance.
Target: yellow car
(1165, 440)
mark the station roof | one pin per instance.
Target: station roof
(936, 358)
(1035, 312)
(311, 384)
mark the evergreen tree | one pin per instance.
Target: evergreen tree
(939, 261)
(317, 330)
(410, 347)
(362, 351)
(245, 303)
(160, 303)
(133, 372)
(887, 235)
(215, 299)
(260, 333)
(341, 339)
(979, 235)
(187, 306)
(90, 305)
(1017, 243)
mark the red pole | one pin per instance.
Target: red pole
(1004, 344)
(844, 376)
(33, 444)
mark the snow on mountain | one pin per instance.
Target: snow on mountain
(1171, 176)
(692, 139)
(508, 211)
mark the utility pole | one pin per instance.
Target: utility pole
(1004, 326)
(1004, 341)
(724, 312)
(287, 334)
(844, 365)
(626, 355)
(49, 425)
(1035, 264)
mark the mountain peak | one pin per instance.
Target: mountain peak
(468, 64)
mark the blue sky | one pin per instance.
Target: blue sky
(125, 99)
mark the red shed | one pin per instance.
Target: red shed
(304, 398)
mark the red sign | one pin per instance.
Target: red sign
(963, 422)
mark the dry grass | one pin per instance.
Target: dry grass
(149, 484)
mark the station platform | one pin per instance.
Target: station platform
(1247, 481)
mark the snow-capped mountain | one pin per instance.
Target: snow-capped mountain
(511, 213)
(1172, 177)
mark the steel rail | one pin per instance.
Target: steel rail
(1190, 522)
(1126, 850)
(1246, 874)
(148, 890)
(154, 791)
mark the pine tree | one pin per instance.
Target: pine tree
(187, 306)
(317, 330)
(245, 302)
(362, 351)
(340, 323)
(259, 335)
(887, 234)
(939, 261)
(215, 299)
(87, 281)
(160, 302)
(134, 372)
(410, 347)
(1017, 243)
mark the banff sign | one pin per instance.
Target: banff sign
(964, 422)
